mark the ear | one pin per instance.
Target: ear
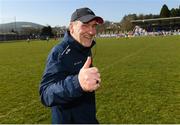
(71, 27)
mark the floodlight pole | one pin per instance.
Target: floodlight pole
(15, 22)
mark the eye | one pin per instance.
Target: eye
(94, 26)
(85, 25)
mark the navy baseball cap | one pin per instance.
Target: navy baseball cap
(85, 15)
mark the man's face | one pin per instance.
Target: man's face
(84, 32)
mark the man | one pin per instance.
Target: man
(69, 81)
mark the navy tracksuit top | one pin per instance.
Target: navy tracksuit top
(60, 88)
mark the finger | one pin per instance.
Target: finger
(95, 76)
(88, 62)
(98, 81)
(97, 86)
(94, 70)
(99, 75)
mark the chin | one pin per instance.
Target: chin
(88, 44)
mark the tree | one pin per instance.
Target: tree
(126, 24)
(47, 31)
(104, 28)
(173, 12)
(165, 12)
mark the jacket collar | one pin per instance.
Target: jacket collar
(68, 38)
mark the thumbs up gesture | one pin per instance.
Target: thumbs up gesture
(89, 77)
(88, 62)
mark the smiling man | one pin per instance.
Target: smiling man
(69, 81)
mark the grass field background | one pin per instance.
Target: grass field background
(140, 80)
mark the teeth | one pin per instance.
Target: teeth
(88, 37)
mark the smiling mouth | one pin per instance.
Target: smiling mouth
(88, 37)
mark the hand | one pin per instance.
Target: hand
(89, 77)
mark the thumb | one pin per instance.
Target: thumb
(87, 64)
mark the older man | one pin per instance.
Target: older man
(69, 81)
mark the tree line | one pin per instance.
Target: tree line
(126, 25)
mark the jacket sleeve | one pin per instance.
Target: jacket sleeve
(56, 87)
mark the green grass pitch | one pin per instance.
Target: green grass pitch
(140, 80)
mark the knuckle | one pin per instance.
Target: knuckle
(96, 69)
(99, 75)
